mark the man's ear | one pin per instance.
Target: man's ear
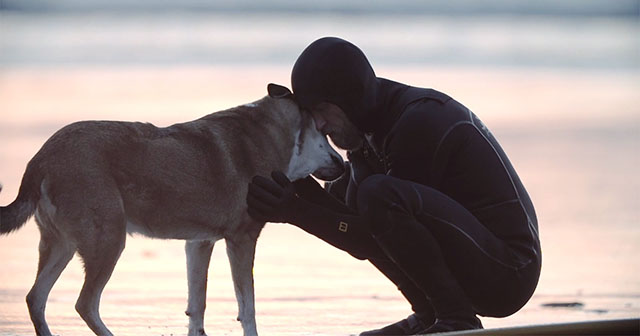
(279, 91)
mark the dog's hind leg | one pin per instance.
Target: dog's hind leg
(198, 257)
(241, 253)
(100, 252)
(55, 254)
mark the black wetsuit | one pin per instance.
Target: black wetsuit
(432, 200)
(440, 165)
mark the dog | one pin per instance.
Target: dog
(93, 182)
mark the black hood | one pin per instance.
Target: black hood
(336, 71)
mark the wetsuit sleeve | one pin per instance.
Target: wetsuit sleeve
(325, 217)
(425, 140)
(309, 190)
(409, 147)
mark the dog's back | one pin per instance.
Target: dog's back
(172, 182)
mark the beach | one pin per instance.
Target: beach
(570, 126)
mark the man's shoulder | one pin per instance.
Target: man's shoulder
(435, 108)
(404, 94)
(428, 120)
(414, 94)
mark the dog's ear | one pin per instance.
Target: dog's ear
(279, 91)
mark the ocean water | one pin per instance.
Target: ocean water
(560, 92)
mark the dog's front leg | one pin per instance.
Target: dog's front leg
(241, 253)
(198, 257)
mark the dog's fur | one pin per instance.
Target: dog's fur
(95, 181)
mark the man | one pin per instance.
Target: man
(429, 198)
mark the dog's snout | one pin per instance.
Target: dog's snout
(333, 171)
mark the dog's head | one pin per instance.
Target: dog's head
(312, 153)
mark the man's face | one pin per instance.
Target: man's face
(332, 121)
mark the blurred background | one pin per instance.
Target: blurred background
(558, 82)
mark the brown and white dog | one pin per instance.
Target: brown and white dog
(93, 182)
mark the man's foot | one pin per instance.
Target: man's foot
(452, 324)
(409, 326)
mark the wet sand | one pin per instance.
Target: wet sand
(572, 136)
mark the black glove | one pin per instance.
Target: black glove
(307, 205)
(311, 193)
(272, 200)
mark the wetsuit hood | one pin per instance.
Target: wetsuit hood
(336, 71)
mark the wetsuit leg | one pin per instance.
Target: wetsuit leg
(359, 242)
(415, 296)
(445, 250)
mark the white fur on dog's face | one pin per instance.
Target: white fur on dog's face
(312, 154)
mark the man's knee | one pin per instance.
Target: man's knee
(388, 194)
(373, 192)
(377, 196)
(386, 201)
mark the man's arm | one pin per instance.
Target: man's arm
(308, 189)
(277, 200)
(413, 143)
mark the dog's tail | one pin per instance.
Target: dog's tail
(16, 214)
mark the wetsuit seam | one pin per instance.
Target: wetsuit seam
(502, 263)
(515, 200)
(446, 135)
(515, 189)
(420, 200)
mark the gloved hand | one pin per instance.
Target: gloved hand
(307, 205)
(272, 200)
